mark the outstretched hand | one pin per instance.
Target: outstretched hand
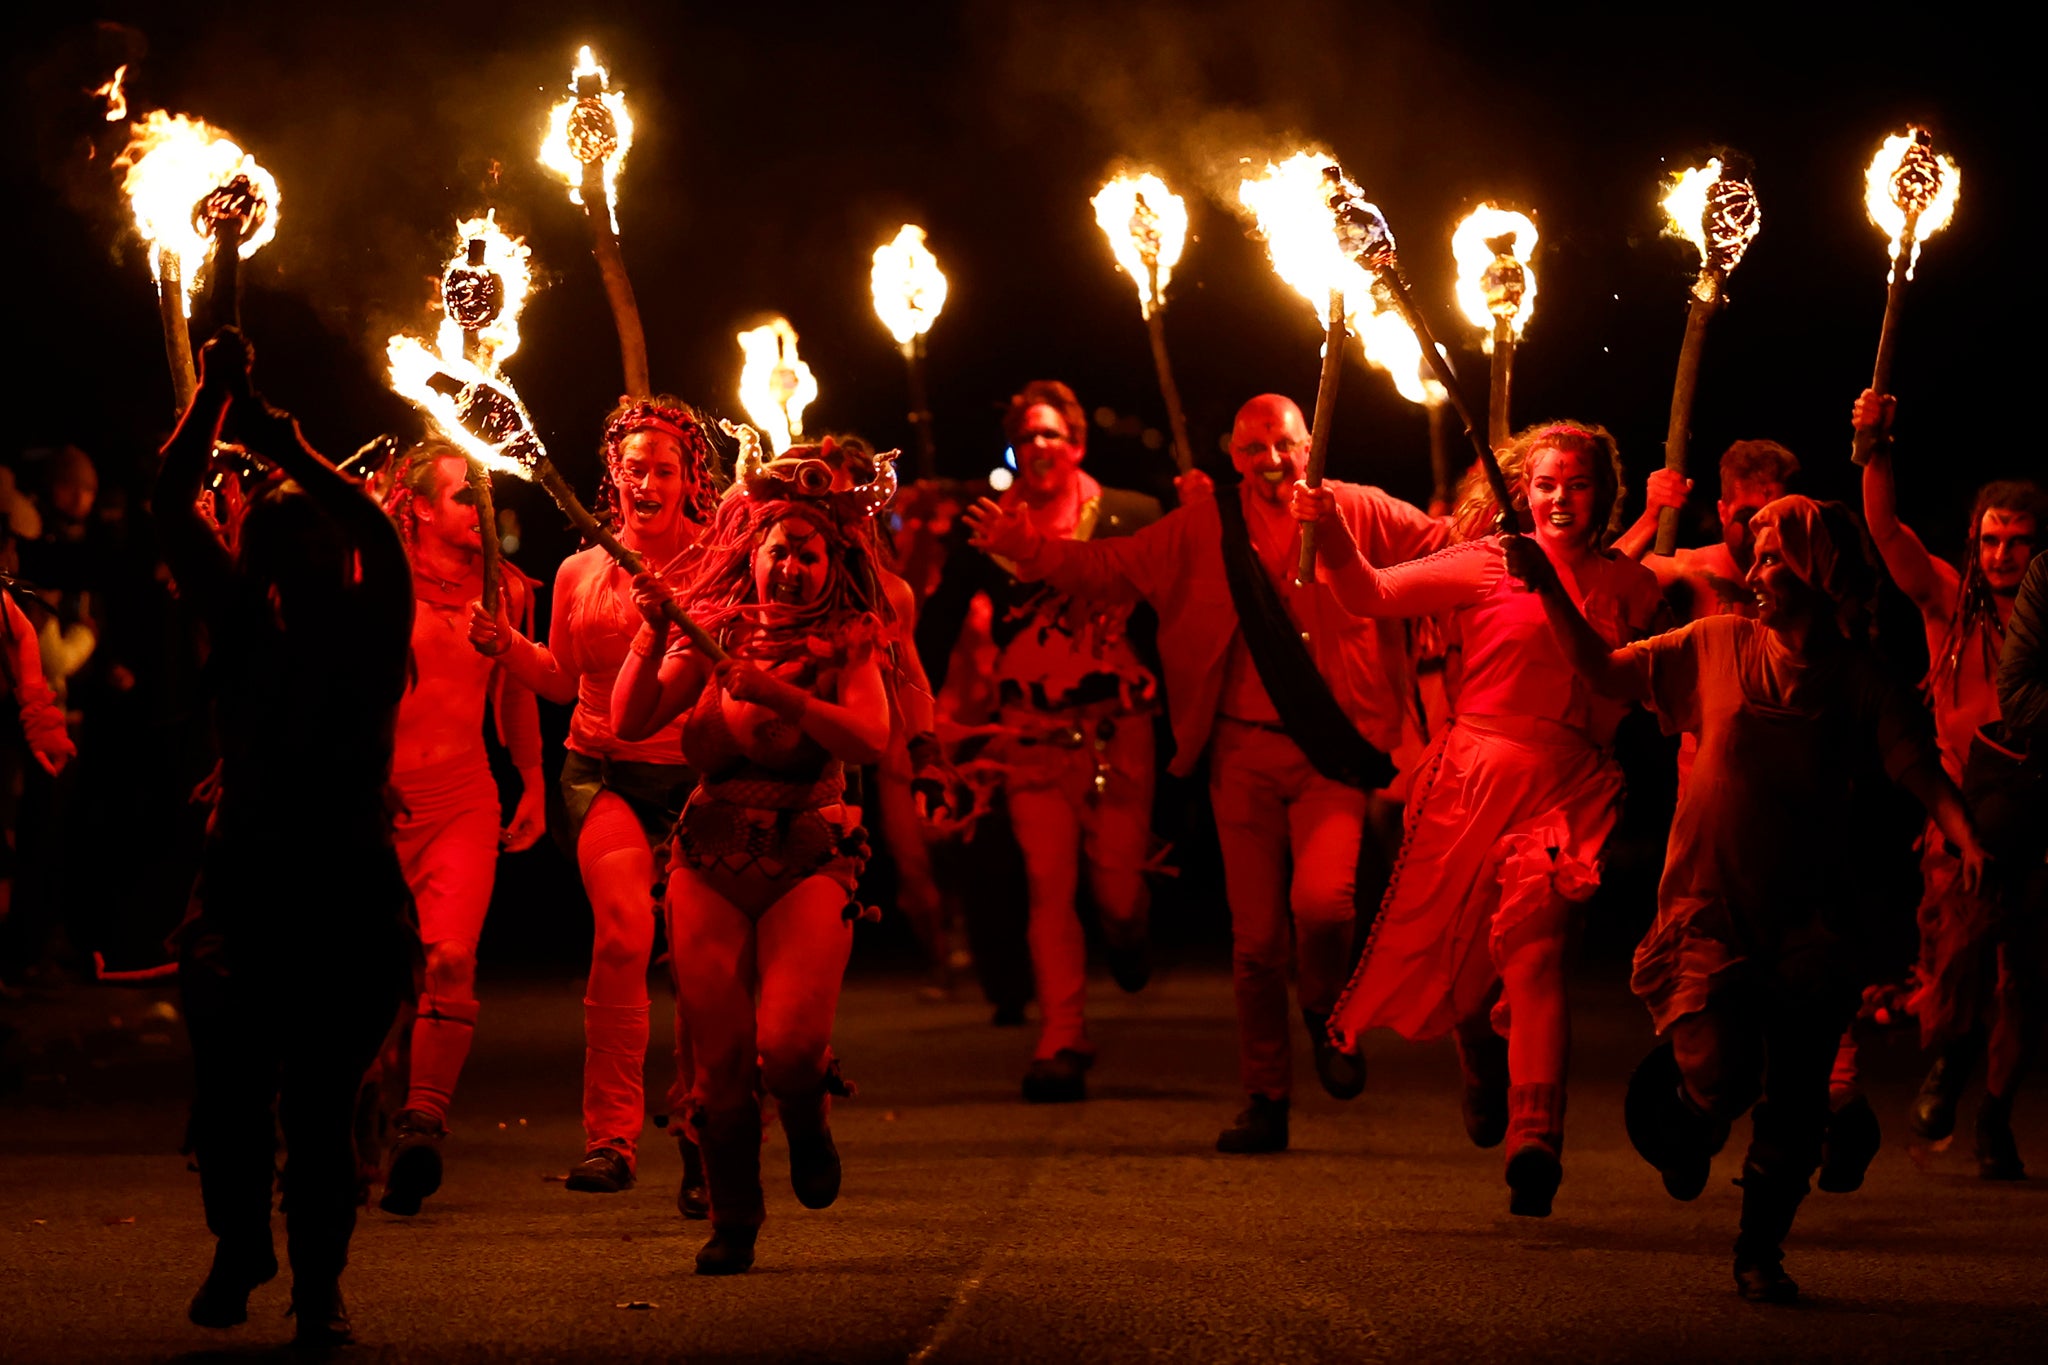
(995, 531)
(1526, 561)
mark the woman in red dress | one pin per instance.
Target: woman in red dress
(767, 854)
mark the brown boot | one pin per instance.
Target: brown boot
(1535, 1142)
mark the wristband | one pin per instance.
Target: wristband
(645, 643)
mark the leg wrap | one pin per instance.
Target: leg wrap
(1536, 1118)
(614, 1064)
(440, 1044)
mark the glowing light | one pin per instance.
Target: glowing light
(484, 289)
(1000, 479)
(1288, 202)
(173, 163)
(909, 288)
(1905, 176)
(1147, 227)
(589, 127)
(1494, 284)
(775, 384)
(114, 95)
(479, 412)
(1716, 210)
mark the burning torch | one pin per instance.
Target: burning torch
(483, 415)
(193, 193)
(1910, 192)
(1147, 227)
(588, 137)
(909, 290)
(775, 384)
(1497, 291)
(1714, 207)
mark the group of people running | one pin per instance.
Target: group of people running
(357, 664)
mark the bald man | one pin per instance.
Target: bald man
(1296, 703)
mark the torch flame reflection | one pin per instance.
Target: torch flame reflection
(1716, 210)
(1485, 292)
(589, 126)
(1147, 227)
(775, 385)
(1908, 174)
(173, 162)
(908, 287)
(114, 95)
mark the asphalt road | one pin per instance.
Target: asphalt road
(976, 1228)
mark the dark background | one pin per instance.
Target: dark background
(777, 145)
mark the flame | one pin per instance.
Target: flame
(775, 386)
(1390, 344)
(1143, 219)
(556, 151)
(173, 162)
(466, 392)
(908, 286)
(510, 259)
(1286, 201)
(1932, 181)
(1475, 266)
(1717, 212)
(114, 95)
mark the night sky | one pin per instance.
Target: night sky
(778, 145)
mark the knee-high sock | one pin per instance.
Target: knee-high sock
(614, 1064)
(1535, 1118)
(440, 1045)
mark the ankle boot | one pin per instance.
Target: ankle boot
(1667, 1129)
(415, 1163)
(1342, 1073)
(1934, 1108)
(1850, 1146)
(730, 1250)
(1483, 1062)
(813, 1159)
(1998, 1156)
(730, 1140)
(1260, 1127)
(1535, 1141)
(1769, 1203)
(321, 1316)
(223, 1299)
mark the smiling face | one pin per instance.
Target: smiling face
(1269, 446)
(2005, 547)
(1047, 454)
(648, 470)
(1563, 496)
(1782, 596)
(449, 514)
(789, 564)
(1740, 502)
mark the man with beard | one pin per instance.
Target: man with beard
(1708, 580)
(1981, 974)
(447, 827)
(1294, 700)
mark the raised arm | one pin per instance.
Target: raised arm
(1119, 568)
(2023, 668)
(199, 562)
(1610, 672)
(1905, 558)
(654, 685)
(1664, 488)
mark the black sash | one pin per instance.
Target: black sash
(1308, 712)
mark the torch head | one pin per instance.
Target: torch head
(1505, 278)
(1917, 181)
(593, 132)
(1145, 230)
(1731, 219)
(471, 293)
(1362, 232)
(234, 210)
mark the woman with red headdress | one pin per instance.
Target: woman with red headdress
(767, 854)
(1759, 953)
(621, 795)
(1512, 803)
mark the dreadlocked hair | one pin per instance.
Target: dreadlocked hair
(412, 476)
(1975, 608)
(704, 474)
(1476, 510)
(826, 629)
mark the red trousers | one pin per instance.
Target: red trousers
(1290, 865)
(1062, 818)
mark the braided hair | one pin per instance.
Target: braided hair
(704, 474)
(412, 476)
(1975, 608)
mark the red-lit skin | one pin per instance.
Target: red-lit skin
(1048, 458)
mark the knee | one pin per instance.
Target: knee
(451, 970)
(793, 1059)
(622, 942)
(1322, 900)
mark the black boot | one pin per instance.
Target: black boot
(814, 1170)
(1059, 1079)
(1849, 1148)
(1998, 1156)
(321, 1316)
(1483, 1062)
(1934, 1108)
(1261, 1127)
(415, 1163)
(1130, 964)
(731, 1143)
(730, 1250)
(692, 1200)
(1668, 1129)
(223, 1300)
(1768, 1205)
(1342, 1073)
